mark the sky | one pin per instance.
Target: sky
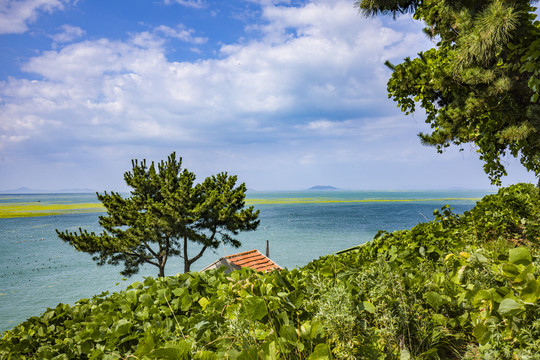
(284, 94)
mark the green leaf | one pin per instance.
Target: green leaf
(404, 354)
(327, 271)
(296, 297)
(321, 352)
(481, 333)
(482, 296)
(203, 302)
(186, 302)
(439, 319)
(510, 270)
(509, 307)
(146, 345)
(249, 354)
(434, 299)
(146, 299)
(288, 332)
(205, 355)
(519, 256)
(531, 292)
(180, 351)
(255, 308)
(367, 306)
(122, 327)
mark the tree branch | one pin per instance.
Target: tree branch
(197, 257)
(149, 248)
(143, 259)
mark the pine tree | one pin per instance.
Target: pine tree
(165, 212)
(480, 83)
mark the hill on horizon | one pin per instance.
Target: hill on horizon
(323, 187)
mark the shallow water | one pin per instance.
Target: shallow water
(38, 270)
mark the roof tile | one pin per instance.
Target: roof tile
(253, 259)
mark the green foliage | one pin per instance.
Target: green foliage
(458, 287)
(480, 84)
(165, 212)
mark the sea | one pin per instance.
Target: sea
(39, 271)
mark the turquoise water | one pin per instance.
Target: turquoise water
(38, 270)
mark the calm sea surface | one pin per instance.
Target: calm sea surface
(38, 270)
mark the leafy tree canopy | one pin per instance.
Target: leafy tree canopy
(166, 211)
(480, 83)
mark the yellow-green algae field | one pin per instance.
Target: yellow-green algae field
(36, 208)
(30, 209)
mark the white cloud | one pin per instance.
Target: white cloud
(16, 14)
(67, 33)
(310, 90)
(197, 4)
(181, 33)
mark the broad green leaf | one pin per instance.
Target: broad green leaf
(249, 354)
(146, 299)
(122, 327)
(320, 352)
(254, 308)
(439, 319)
(434, 299)
(270, 351)
(511, 271)
(531, 292)
(186, 302)
(327, 271)
(288, 332)
(526, 275)
(481, 333)
(203, 302)
(317, 330)
(367, 306)
(519, 256)
(296, 297)
(509, 307)
(179, 291)
(404, 354)
(146, 345)
(131, 296)
(481, 296)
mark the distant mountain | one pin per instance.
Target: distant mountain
(25, 190)
(323, 187)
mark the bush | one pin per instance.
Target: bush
(460, 286)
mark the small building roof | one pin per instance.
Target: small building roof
(252, 259)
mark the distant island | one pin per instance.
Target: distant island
(323, 187)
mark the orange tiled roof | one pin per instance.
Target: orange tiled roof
(254, 260)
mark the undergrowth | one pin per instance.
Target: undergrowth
(458, 287)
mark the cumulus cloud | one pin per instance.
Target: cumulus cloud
(67, 33)
(197, 4)
(16, 14)
(317, 70)
(181, 33)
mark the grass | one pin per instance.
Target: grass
(17, 210)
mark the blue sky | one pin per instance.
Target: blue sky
(284, 94)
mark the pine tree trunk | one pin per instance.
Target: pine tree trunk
(161, 271)
(187, 264)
